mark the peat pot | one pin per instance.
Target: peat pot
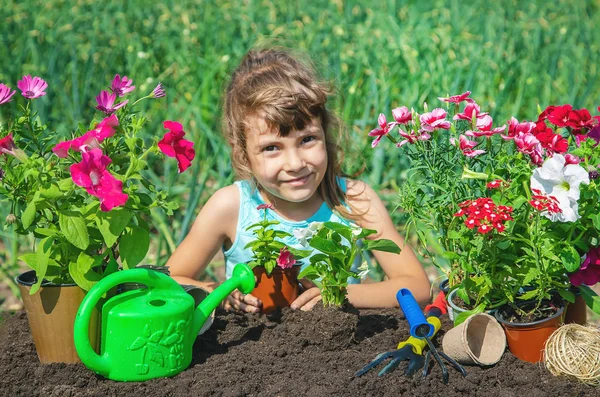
(51, 314)
(576, 312)
(526, 340)
(279, 289)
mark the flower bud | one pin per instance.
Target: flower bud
(10, 219)
(593, 175)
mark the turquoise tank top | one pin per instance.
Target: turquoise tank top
(250, 198)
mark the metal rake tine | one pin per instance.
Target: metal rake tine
(437, 358)
(392, 365)
(455, 364)
(414, 365)
(380, 357)
(426, 365)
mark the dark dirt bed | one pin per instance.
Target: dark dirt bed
(286, 353)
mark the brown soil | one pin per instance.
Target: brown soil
(282, 354)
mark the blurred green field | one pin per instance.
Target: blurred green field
(513, 55)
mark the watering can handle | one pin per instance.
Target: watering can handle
(419, 327)
(89, 357)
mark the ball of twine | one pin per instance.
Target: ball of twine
(573, 350)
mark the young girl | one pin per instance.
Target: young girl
(283, 149)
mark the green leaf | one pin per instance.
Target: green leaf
(299, 254)
(74, 229)
(133, 246)
(381, 245)
(28, 215)
(461, 317)
(570, 258)
(519, 201)
(453, 234)
(309, 272)
(82, 272)
(529, 294)
(344, 230)
(592, 300)
(596, 220)
(111, 224)
(567, 295)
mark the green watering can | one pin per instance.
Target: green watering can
(148, 333)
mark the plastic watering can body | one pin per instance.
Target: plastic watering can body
(148, 333)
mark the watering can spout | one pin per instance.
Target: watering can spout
(242, 279)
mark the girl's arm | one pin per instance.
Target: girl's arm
(215, 224)
(402, 270)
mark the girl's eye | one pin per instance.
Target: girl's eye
(270, 148)
(307, 139)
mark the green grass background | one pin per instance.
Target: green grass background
(513, 55)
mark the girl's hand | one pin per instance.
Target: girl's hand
(309, 298)
(236, 301)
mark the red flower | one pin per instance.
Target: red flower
(286, 259)
(484, 214)
(458, 98)
(383, 130)
(91, 139)
(545, 113)
(498, 183)
(265, 206)
(173, 145)
(560, 115)
(580, 118)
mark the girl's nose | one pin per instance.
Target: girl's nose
(294, 161)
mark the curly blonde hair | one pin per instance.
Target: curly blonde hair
(287, 93)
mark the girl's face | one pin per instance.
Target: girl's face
(290, 168)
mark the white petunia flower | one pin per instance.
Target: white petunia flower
(555, 178)
(363, 270)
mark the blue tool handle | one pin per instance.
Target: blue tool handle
(419, 327)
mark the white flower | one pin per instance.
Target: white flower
(363, 270)
(304, 235)
(356, 230)
(314, 227)
(554, 178)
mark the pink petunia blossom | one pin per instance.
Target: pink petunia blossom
(514, 127)
(121, 86)
(106, 102)
(458, 98)
(91, 139)
(471, 111)
(527, 143)
(434, 120)
(92, 175)
(173, 145)
(5, 94)
(158, 91)
(589, 271)
(383, 130)
(466, 146)
(7, 146)
(402, 115)
(265, 207)
(286, 259)
(32, 88)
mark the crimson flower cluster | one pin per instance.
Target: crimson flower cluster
(484, 214)
(542, 202)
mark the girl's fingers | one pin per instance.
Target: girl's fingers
(311, 303)
(306, 297)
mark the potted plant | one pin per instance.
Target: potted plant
(513, 206)
(336, 246)
(81, 202)
(274, 264)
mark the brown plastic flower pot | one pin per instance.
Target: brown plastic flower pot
(526, 340)
(279, 289)
(576, 312)
(51, 315)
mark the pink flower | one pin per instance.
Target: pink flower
(527, 143)
(471, 110)
(466, 146)
(121, 86)
(32, 88)
(589, 271)
(265, 207)
(411, 138)
(514, 127)
(484, 128)
(173, 145)
(5, 94)
(458, 98)
(383, 130)
(7, 146)
(91, 139)
(434, 120)
(402, 115)
(106, 102)
(158, 91)
(91, 174)
(286, 259)
(570, 159)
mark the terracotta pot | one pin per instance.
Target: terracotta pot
(576, 312)
(526, 340)
(51, 314)
(279, 289)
